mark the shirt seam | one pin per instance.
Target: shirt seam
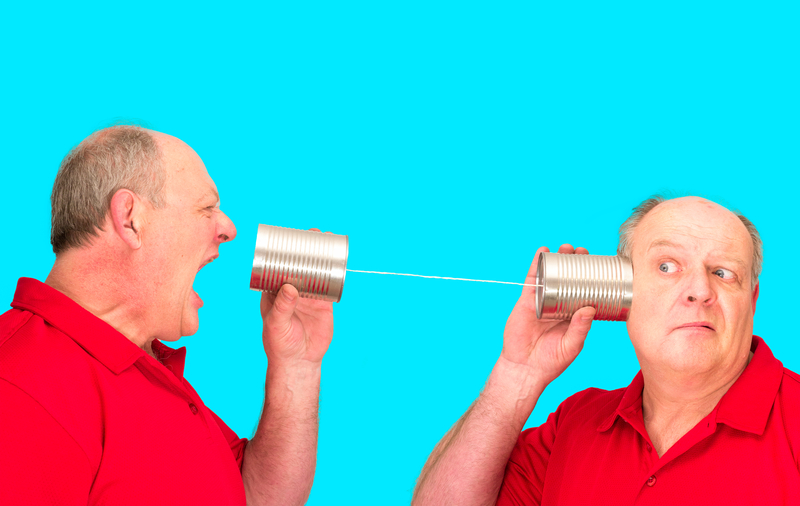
(791, 377)
(25, 319)
(83, 450)
(105, 361)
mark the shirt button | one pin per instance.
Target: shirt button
(651, 481)
(649, 448)
(193, 408)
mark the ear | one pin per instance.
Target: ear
(755, 297)
(125, 212)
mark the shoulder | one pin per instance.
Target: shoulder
(52, 371)
(789, 391)
(33, 351)
(789, 394)
(791, 379)
(584, 410)
(592, 405)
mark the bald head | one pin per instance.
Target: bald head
(108, 160)
(694, 216)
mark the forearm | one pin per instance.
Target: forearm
(280, 459)
(467, 466)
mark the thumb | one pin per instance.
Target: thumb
(579, 327)
(280, 316)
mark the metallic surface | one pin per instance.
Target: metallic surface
(570, 282)
(313, 262)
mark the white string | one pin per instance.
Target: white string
(441, 277)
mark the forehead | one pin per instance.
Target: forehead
(187, 177)
(694, 224)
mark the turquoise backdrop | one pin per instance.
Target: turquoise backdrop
(444, 138)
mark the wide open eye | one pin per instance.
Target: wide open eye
(724, 273)
(668, 267)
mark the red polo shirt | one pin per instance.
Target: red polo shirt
(595, 450)
(87, 417)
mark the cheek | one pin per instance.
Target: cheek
(650, 303)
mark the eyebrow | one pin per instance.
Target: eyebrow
(664, 243)
(209, 194)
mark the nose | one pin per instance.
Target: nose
(699, 288)
(226, 230)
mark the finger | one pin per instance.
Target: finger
(579, 327)
(279, 317)
(314, 229)
(267, 299)
(581, 251)
(566, 249)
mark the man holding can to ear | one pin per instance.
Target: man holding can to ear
(94, 408)
(712, 417)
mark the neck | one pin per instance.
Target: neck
(83, 275)
(673, 404)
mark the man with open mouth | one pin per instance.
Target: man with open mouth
(94, 408)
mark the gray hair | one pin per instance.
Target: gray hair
(109, 160)
(625, 247)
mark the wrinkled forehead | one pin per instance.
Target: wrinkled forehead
(696, 225)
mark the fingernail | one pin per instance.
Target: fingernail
(586, 318)
(289, 297)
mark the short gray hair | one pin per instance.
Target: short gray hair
(107, 161)
(626, 230)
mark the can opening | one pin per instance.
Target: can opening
(540, 285)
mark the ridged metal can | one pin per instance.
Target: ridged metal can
(570, 282)
(313, 262)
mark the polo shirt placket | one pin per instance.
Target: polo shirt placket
(595, 448)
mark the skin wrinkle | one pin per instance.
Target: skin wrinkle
(138, 273)
(687, 371)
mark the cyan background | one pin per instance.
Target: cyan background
(445, 138)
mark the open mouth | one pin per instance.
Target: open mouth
(194, 292)
(207, 262)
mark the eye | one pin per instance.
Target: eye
(668, 267)
(724, 273)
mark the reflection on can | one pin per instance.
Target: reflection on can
(570, 282)
(313, 262)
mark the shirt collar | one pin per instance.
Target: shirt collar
(98, 338)
(630, 403)
(172, 359)
(745, 406)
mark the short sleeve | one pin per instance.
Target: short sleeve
(236, 443)
(40, 463)
(523, 483)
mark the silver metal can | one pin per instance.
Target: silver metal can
(570, 282)
(313, 262)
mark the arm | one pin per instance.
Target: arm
(467, 466)
(280, 459)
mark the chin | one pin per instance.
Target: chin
(190, 322)
(189, 328)
(689, 358)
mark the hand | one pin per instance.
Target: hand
(294, 328)
(548, 347)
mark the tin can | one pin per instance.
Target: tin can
(570, 282)
(313, 262)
